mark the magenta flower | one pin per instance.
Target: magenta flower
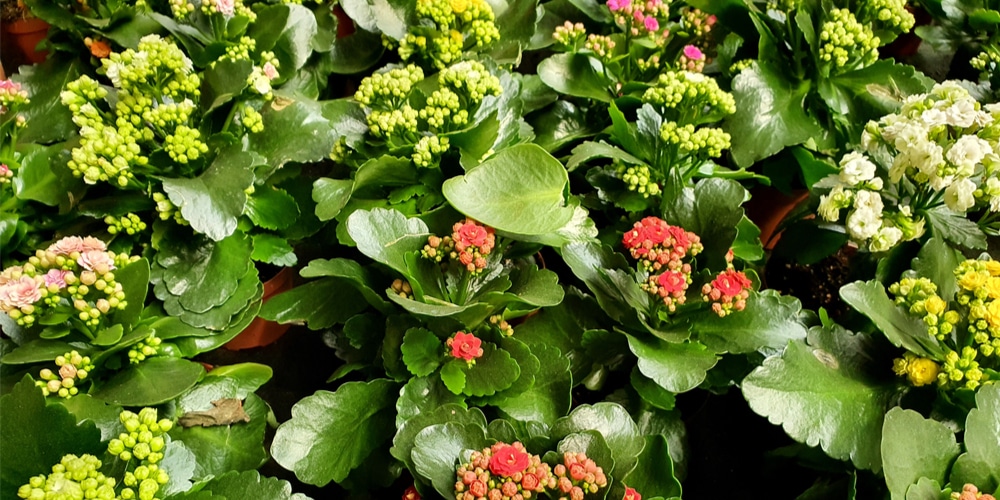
(693, 53)
(616, 5)
(652, 24)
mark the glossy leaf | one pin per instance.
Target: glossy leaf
(272, 208)
(385, 16)
(493, 372)
(250, 485)
(937, 261)
(821, 393)
(438, 448)
(303, 130)
(134, 279)
(223, 81)
(331, 433)
(422, 351)
(770, 320)
(675, 367)
(273, 249)
(223, 448)
(36, 436)
(614, 424)
(654, 474)
(361, 278)
(651, 392)
(770, 115)
(201, 272)
(213, 201)
(405, 438)
(422, 395)
(43, 176)
(46, 119)
(319, 304)
(39, 351)
(980, 465)
(248, 290)
(354, 53)
(903, 330)
(549, 398)
(520, 190)
(387, 235)
(576, 74)
(535, 287)
(591, 443)
(955, 228)
(712, 210)
(104, 416)
(286, 30)
(151, 382)
(914, 447)
(331, 196)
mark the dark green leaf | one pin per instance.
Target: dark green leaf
(320, 304)
(302, 130)
(560, 125)
(422, 395)
(151, 382)
(875, 90)
(955, 228)
(453, 376)
(331, 196)
(180, 461)
(675, 367)
(422, 351)
(747, 246)
(576, 74)
(359, 277)
(914, 447)
(614, 424)
(134, 279)
(493, 372)
(651, 392)
(248, 290)
(592, 444)
(937, 261)
(404, 440)
(654, 474)
(248, 377)
(980, 465)
(869, 298)
(770, 115)
(589, 262)
(222, 448)
(46, 119)
(202, 273)
(712, 211)
(770, 320)
(223, 81)
(39, 351)
(438, 448)
(549, 398)
(385, 16)
(104, 416)
(273, 249)
(286, 30)
(354, 53)
(272, 208)
(213, 201)
(539, 288)
(35, 436)
(820, 393)
(43, 176)
(387, 235)
(331, 433)
(250, 485)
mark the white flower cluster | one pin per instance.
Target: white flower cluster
(940, 148)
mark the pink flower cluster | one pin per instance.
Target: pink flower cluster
(465, 346)
(11, 93)
(691, 59)
(658, 246)
(19, 292)
(6, 174)
(469, 244)
(728, 292)
(640, 16)
(503, 472)
(579, 475)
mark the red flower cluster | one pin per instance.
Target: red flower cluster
(503, 472)
(465, 346)
(631, 494)
(659, 246)
(411, 493)
(727, 292)
(971, 492)
(579, 475)
(469, 244)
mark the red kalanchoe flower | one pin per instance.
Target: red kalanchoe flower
(470, 234)
(465, 346)
(631, 494)
(411, 494)
(509, 460)
(731, 282)
(728, 292)
(672, 282)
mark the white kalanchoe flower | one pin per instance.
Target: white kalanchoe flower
(959, 196)
(934, 117)
(856, 168)
(967, 152)
(962, 113)
(885, 239)
(830, 204)
(993, 191)
(863, 223)
(869, 200)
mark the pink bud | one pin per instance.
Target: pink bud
(652, 24)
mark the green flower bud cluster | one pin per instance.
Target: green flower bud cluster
(447, 28)
(73, 276)
(888, 16)
(251, 120)
(845, 43)
(73, 369)
(144, 349)
(961, 371)
(184, 144)
(141, 446)
(429, 149)
(260, 77)
(129, 224)
(73, 478)
(919, 297)
(168, 210)
(701, 142)
(398, 122)
(570, 35)
(463, 88)
(387, 90)
(339, 151)
(689, 98)
(11, 95)
(239, 51)
(637, 178)
(652, 63)
(181, 8)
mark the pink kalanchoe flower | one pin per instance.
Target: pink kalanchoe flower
(226, 7)
(651, 23)
(72, 244)
(616, 5)
(693, 53)
(509, 460)
(19, 293)
(270, 71)
(470, 234)
(56, 277)
(91, 243)
(10, 274)
(465, 346)
(5, 170)
(672, 282)
(94, 260)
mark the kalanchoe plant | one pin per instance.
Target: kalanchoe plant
(931, 168)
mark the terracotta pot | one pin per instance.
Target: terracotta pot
(768, 208)
(262, 332)
(19, 41)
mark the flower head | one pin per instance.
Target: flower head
(728, 292)
(509, 460)
(19, 294)
(693, 53)
(466, 346)
(56, 278)
(631, 494)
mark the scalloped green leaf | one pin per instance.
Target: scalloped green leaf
(469, 315)
(712, 210)
(405, 438)
(770, 320)
(536, 287)
(495, 371)
(331, 433)
(675, 367)
(273, 249)
(248, 290)
(576, 74)
(382, 16)
(272, 208)
(387, 235)
(422, 351)
(453, 375)
(331, 196)
(202, 273)
(654, 474)
(421, 395)
(980, 465)
(40, 351)
(223, 448)
(520, 190)
(914, 447)
(151, 382)
(299, 129)
(549, 398)
(821, 392)
(214, 201)
(438, 449)
(614, 423)
(363, 279)
(35, 436)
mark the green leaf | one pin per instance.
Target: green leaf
(869, 298)
(980, 465)
(319, 304)
(423, 395)
(39, 351)
(250, 485)
(361, 278)
(273, 249)
(386, 16)
(576, 74)
(516, 22)
(614, 424)
(302, 130)
(222, 448)
(151, 382)
(559, 125)
(591, 262)
(287, 30)
(35, 436)
(422, 351)
(926, 489)
(955, 228)
(770, 320)
(46, 119)
(438, 448)
(493, 372)
(180, 461)
(331, 196)
(354, 53)
(675, 367)
(549, 398)
(453, 376)
(331, 433)
(875, 90)
(654, 474)
(86, 408)
(651, 392)
(821, 393)
(592, 444)
(213, 201)
(134, 279)
(770, 114)
(387, 235)
(535, 287)
(109, 336)
(520, 190)
(590, 150)
(248, 290)
(43, 176)
(914, 447)
(405, 438)
(202, 273)
(194, 345)
(272, 208)
(248, 377)
(937, 261)
(747, 246)
(712, 211)
(223, 81)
